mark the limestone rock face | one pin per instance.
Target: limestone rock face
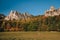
(14, 15)
(52, 12)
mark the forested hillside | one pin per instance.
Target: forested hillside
(36, 23)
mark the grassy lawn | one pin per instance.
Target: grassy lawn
(29, 35)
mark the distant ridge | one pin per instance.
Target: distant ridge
(52, 12)
(14, 15)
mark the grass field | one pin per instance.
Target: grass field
(29, 35)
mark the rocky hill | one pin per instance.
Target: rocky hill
(52, 12)
(14, 15)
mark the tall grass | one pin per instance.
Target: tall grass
(29, 35)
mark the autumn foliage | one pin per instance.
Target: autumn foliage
(36, 23)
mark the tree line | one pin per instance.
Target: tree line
(36, 23)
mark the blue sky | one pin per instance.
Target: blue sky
(35, 7)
